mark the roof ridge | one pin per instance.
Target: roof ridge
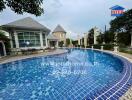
(18, 20)
(59, 28)
(26, 22)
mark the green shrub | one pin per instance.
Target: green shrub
(88, 46)
(82, 46)
(61, 43)
(97, 46)
(125, 50)
(108, 46)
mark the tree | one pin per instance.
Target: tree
(21, 6)
(122, 25)
(108, 37)
(75, 43)
(91, 36)
(124, 39)
(67, 42)
(100, 38)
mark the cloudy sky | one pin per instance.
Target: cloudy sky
(76, 16)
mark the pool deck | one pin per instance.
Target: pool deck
(20, 57)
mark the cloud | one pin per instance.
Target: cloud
(76, 16)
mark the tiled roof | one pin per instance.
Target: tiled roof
(26, 23)
(59, 29)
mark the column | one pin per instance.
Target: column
(4, 49)
(11, 42)
(16, 39)
(41, 40)
(95, 36)
(46, 40)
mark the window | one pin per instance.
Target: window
(32, 37)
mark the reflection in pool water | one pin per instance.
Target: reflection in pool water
(74, 75)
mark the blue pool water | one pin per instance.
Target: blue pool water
(78, 74)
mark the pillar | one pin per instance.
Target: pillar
(16, 39)
(41, 40)
(11, 42)
(95, 36)
(46, 40)
(96, 33)
(4, 49)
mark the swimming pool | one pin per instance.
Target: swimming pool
(76, 75)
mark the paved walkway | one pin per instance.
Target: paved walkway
(19, 57)
(125, 55)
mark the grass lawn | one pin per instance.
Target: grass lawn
(124, 50)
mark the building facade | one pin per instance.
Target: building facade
(27, 32)
(60, 33)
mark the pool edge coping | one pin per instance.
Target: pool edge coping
(126, 94)
(33, 56)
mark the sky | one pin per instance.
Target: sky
(75, 16)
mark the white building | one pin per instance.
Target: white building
(27, 32)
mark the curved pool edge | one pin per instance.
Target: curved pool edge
(17, 58)
(123, 90)
(119, 90)
(127, 95)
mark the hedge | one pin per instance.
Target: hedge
(98, 46)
